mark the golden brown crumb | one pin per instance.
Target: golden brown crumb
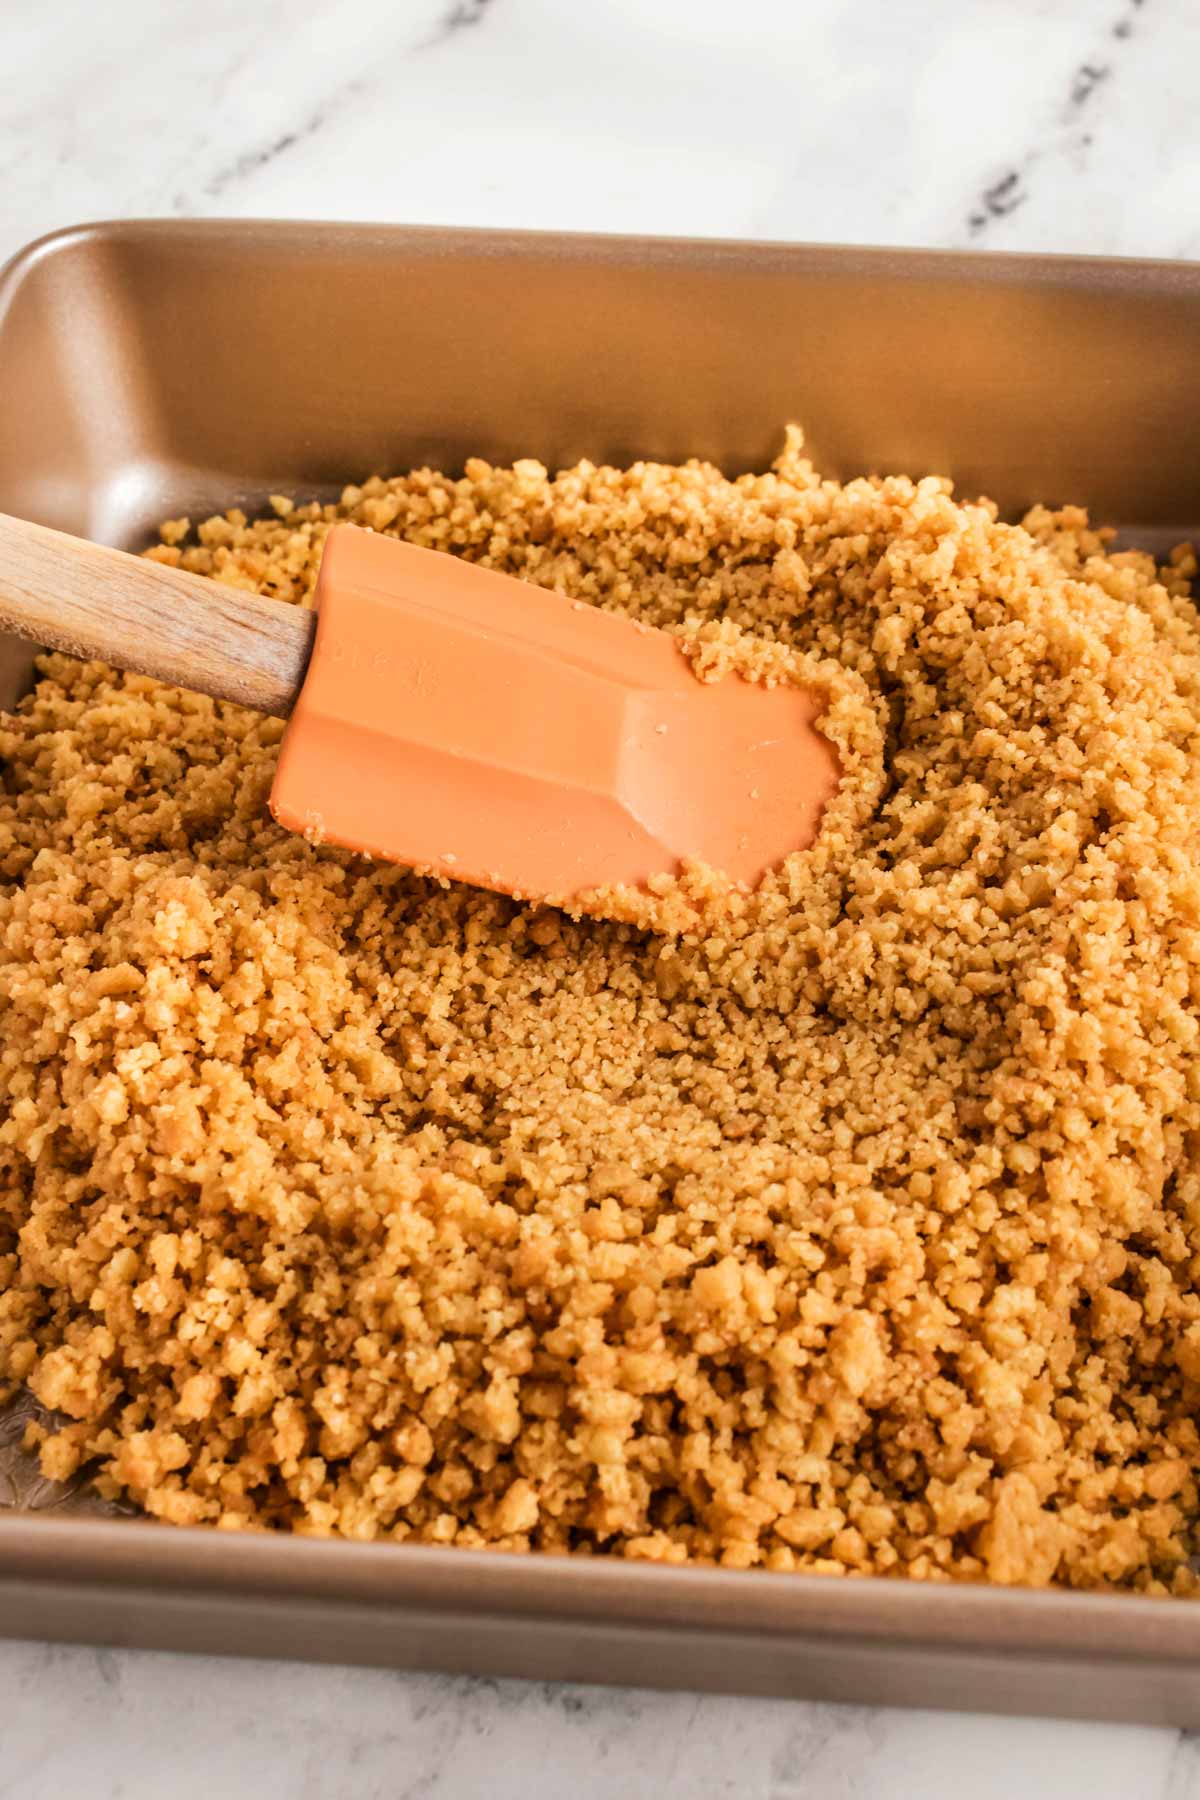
(856, 1232)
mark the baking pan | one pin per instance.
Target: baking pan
(153, 369)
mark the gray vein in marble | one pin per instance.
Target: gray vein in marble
(461, 16)
(824, 1742)
(259, 157)
(1010, 190)
(250, 160)
(230, 174)
(1183, 1769)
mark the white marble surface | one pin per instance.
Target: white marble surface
(1010, 124)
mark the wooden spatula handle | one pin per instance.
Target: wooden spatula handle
(94, 602)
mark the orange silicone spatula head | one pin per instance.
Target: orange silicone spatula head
(484, 729)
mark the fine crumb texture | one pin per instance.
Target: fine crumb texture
(856, 1231)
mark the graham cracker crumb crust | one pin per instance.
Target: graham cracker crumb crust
(850, 1226)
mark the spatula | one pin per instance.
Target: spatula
(461, 721)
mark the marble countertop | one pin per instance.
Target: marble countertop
(1005, 124)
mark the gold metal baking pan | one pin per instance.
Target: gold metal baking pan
(148, 370)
